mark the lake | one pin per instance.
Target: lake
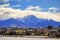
(22, 38)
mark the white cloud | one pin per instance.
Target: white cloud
(16, 0)
(6, 13)
(36, 8)
(54, 9)
(5, 5)
(16, 6)
(4, 0)
(10, 0)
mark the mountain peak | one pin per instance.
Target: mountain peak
(30, 17)
(28, 21)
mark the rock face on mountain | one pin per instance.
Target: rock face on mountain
(28, 21)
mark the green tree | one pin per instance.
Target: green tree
(50, 27)
(59, 28)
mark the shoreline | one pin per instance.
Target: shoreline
(28, 36)
(25, 38)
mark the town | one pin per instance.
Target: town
(49, 31)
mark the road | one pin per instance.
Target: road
(20, 38)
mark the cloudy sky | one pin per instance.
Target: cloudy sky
(47, 9)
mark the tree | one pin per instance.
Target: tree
(59, 28)
(27, 33)
(20, 32)
(50, 27)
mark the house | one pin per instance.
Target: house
(53, 32)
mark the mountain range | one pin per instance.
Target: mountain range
(28, 21)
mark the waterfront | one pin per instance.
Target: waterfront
(20, 38)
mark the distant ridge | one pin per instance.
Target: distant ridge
(28, 21)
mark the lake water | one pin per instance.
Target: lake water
(20, 38)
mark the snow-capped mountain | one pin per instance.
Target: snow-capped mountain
(28, 21)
